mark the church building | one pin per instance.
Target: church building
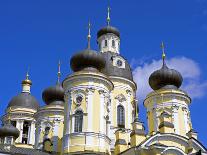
(95, 110)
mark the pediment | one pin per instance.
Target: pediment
(169, 140)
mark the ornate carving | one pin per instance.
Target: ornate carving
(120, 98)
(90, 90)
(102, 92)
(129, 92)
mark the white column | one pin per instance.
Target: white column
(90, 109)
(32, 133)
(21, 122)
(175, 119)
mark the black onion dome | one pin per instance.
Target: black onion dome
(9, 130)
(111, 70)
(165, 78)
(108, 29)
(54, 95)
(25, 100)
(85, 59)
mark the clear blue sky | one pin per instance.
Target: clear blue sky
(39, 33)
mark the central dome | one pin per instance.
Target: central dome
(24, 100)
(85, 59)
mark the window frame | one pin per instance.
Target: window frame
(78, 121)
(120, 116)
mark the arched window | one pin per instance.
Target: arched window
(113, 43)
(120, 116)
(78, 121)
(106, 43)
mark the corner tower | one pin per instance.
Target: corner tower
(167, 105)
(49, 126)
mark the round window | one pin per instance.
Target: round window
(79, 99)
(119, 63)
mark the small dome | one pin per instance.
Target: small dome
(85, 59)
(108, 29)
(111, 70)
(54, 95)
(25, 100)
(9, 130)
(165, 78)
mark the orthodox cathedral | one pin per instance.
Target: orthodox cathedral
(94, 110)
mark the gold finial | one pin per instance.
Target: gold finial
(163, 51)
(108, 16)
(59, 72)
(27, 80)
(89, 35)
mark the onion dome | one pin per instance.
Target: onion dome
(54, 94)
(108, 28)
(165, 77)
(87, 59)
(111, 70)
(24, 99)
(8, 130)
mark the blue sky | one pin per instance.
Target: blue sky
(39, 33)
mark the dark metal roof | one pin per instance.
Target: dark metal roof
(112, 70)
(21, 151)
(9, 130)
(108, 29)
(165, 78)
(54, 94)
(87, 58)
(25, 100)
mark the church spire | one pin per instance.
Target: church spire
(108, 15)
(163, 52)
(59, 72)
(89, 35)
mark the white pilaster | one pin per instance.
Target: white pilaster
(55, 135)
(67, 125)
(185, 113)
(175, 119)
(102, 98)
(90, 109)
